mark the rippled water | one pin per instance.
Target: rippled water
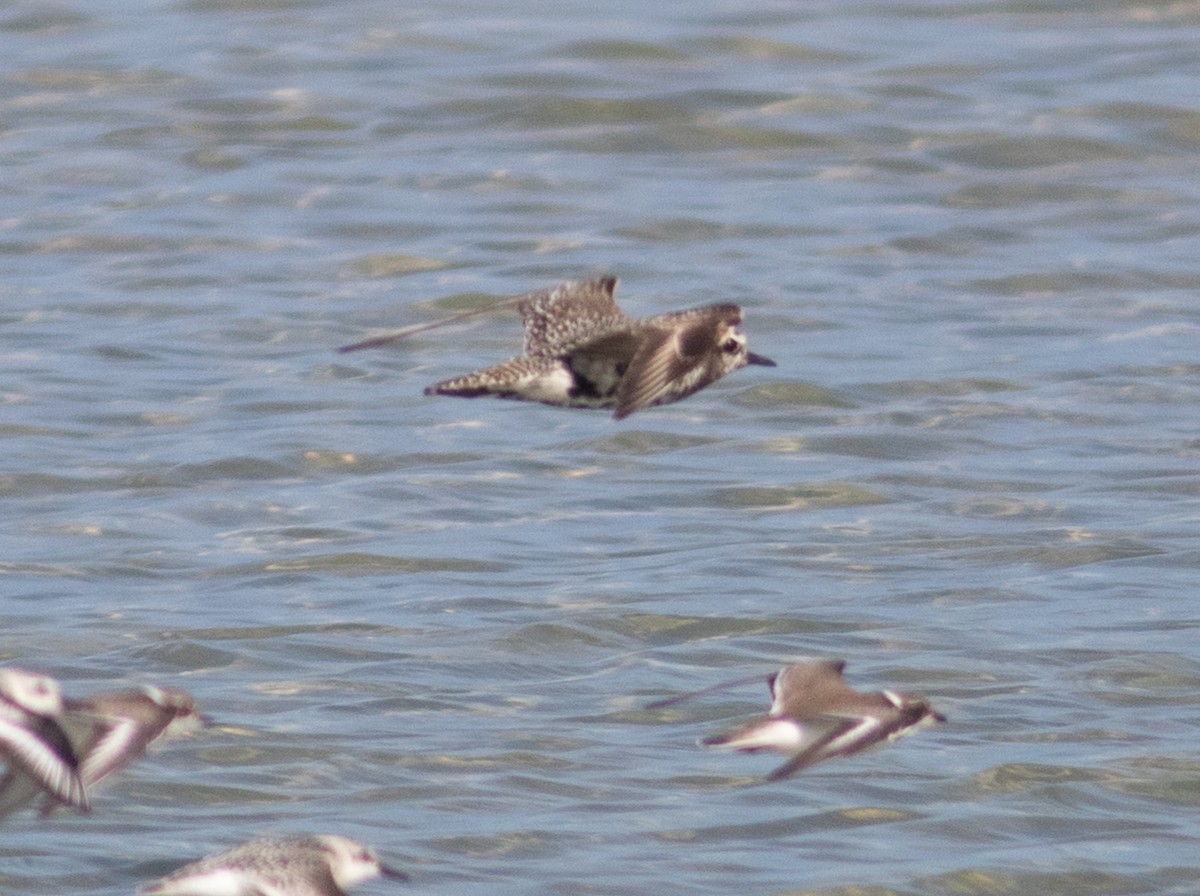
(967, 233)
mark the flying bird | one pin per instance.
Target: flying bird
(583, 351)
(815, 716)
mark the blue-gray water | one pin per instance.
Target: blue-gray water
(966, 231)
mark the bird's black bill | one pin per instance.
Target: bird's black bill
(752, 358)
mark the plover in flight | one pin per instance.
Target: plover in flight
(582, 351)
(815, 716)
(323, 865)
(110, 730)
(32, 741)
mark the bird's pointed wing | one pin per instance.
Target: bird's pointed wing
(46, 755)
(560, 319)
(115, 744)
(665, 357)
(804, 688)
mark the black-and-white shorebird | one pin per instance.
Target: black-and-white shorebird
(321, 865)
(583, 351)
(117, 727)
(105, 733)
(33, 744)
(815, 716)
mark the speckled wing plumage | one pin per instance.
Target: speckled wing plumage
(501, 380)
(557, 321)
(276, 864)
(673, 356)
(583, 351)
(560, 319)
(320, 865)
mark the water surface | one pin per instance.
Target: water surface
(964, 230)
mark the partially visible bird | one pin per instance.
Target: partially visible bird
(583, 351)
(33, 744)
(117, 727)
(321, 865)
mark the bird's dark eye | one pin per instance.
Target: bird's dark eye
(731, 345)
